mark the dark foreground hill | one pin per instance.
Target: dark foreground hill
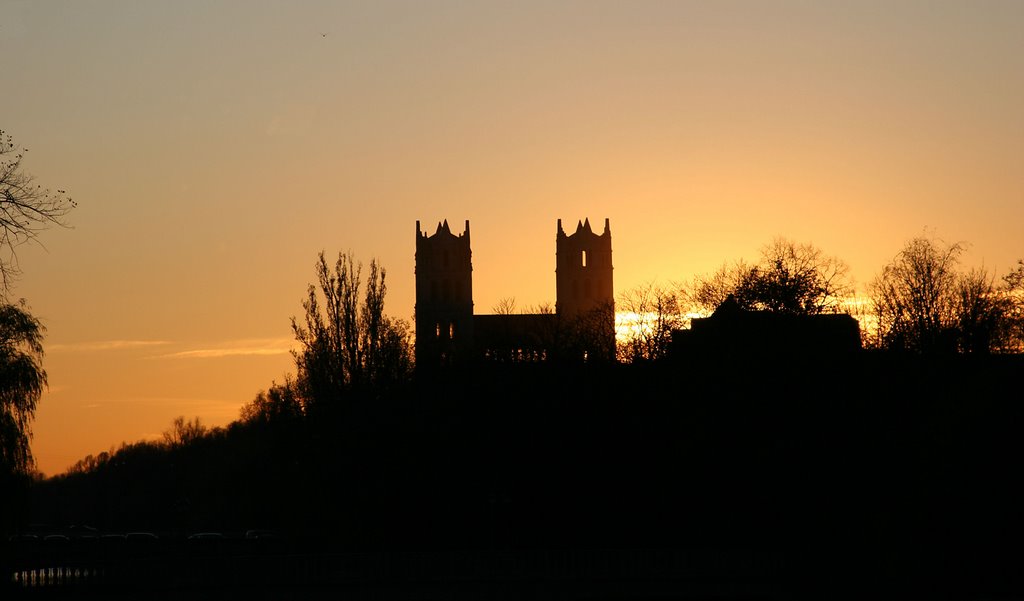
(859, 473)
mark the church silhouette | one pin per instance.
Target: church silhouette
(581, 328)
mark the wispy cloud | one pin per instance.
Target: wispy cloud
(104, 345)
(230, 348)
(184, 403)
(235, 348)
(210, 410)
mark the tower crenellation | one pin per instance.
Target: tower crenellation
(583, 269)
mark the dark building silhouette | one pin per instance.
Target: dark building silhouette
(444, 296)
(736, 332)
(582, 327)
(583, 270)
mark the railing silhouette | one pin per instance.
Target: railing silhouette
(318, 570)
(184, 565)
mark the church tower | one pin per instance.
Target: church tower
(444, 297)
(583, 286)
(583, 269)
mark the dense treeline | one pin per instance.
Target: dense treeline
(870, 451)
(763, 448)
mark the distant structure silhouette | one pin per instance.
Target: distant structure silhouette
(582, 327)
(736, 332)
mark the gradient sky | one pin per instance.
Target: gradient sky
(216, 147)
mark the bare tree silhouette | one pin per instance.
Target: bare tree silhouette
(281, 402)
(505, 306)
(651, 314)
(26, 208)
(1012, 334)
(923, 303)
(793, 278)
(348, 345)
(184, 432)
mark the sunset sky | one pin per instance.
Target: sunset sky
(215, 148)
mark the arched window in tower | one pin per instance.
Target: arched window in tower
(451, 330)
(438, 333)
(583, 258)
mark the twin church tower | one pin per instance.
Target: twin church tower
(582, 327)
